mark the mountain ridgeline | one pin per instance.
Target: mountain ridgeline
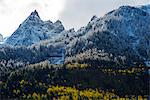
(121, 37)
(108, 59)
(33, 30)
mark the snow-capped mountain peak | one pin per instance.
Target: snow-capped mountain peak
(33, 18)
(33, 30)
(48, 21)
(58, 27)
(94, 17)
(58, 22)
(146, 8)
(35, 13)
(124, 31)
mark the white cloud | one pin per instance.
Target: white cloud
(14, 12)
(73, 13)
(77, 13)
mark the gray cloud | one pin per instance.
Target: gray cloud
(3, 7)
(2, 3)
(78, 12)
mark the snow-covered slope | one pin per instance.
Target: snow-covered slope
(121, 32)
(146, 8)
(122, 35)
(33, 30)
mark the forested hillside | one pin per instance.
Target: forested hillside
(76, 81)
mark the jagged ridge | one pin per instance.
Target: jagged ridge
(33, 30)
(122, 34)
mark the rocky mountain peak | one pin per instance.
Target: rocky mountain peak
(58, 23)
(94, 17)
(129, 11)
(35, 13)
(58, 26)
(33, 30)
(33, 18)
(146, 8)
(49, 21)
(128, 26)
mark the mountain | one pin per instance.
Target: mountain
(122, 35)
(146, 8)
(33, 30)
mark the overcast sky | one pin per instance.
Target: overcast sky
(73, 13)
